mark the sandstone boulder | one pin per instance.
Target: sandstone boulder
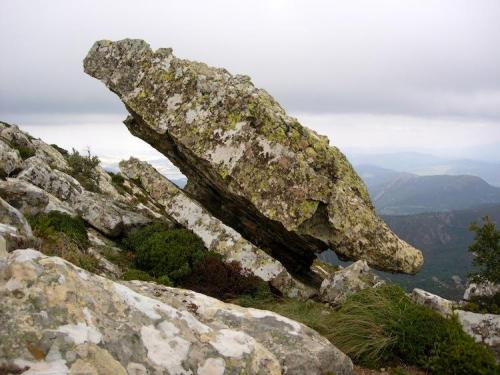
(215, 235)
(57, 318)
(250, 164)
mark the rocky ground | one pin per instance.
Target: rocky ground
(264, 194)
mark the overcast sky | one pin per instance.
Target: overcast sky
(372, 75)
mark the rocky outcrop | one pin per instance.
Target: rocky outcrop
(216, 236)
(341, 284)
(250, 164)
(439, 304)
(57, 318)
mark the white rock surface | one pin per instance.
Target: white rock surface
(61, 319)
(435, 302)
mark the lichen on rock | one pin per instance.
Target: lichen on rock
(253, 166)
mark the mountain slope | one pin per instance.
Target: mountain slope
(444, 238)
(408, 194)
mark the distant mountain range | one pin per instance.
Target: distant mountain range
(399, 193)
(425, 164)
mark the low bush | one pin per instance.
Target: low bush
(47, 224)
(162, 251)
(25, 152)
(178, 256)
(64, 236)
(83, 169)
(221, 280)
(135, 274)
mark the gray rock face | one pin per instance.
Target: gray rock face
(298, 348)
(60, 319)
(108, 215)
(341, 284)
(215, 235)
(483, 328)
(250, 164)
(30, 199)
(9, 160)
(14, 228)
(436, 303)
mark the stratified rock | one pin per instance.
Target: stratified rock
(435, 302)
(483, 328)
(215, 235)
(341, 284)
(61, 319)
(250, 164)
(14, 228)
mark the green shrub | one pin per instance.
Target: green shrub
(25, 152)
(135, 274)
(83, 169)
(46, 225)
(163, 251)
(64, 236)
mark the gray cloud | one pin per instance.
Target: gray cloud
(415, 58)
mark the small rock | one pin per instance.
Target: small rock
(337, 287)
(436, 303)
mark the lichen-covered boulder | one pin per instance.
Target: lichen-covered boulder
(215, 235)
(298, 348)
(59, 319)
(254, 167)
(349, 280)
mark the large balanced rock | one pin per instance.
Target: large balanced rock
(216, 236)
(57, 319)
(256, 168)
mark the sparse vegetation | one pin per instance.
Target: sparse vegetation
(24, 151)
(484, 304)
(47, 224)
(64, 236)
(83, 169)
(381, 326)
(486, 248)
(63, 151)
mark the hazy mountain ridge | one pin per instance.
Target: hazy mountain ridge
(425, 164)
